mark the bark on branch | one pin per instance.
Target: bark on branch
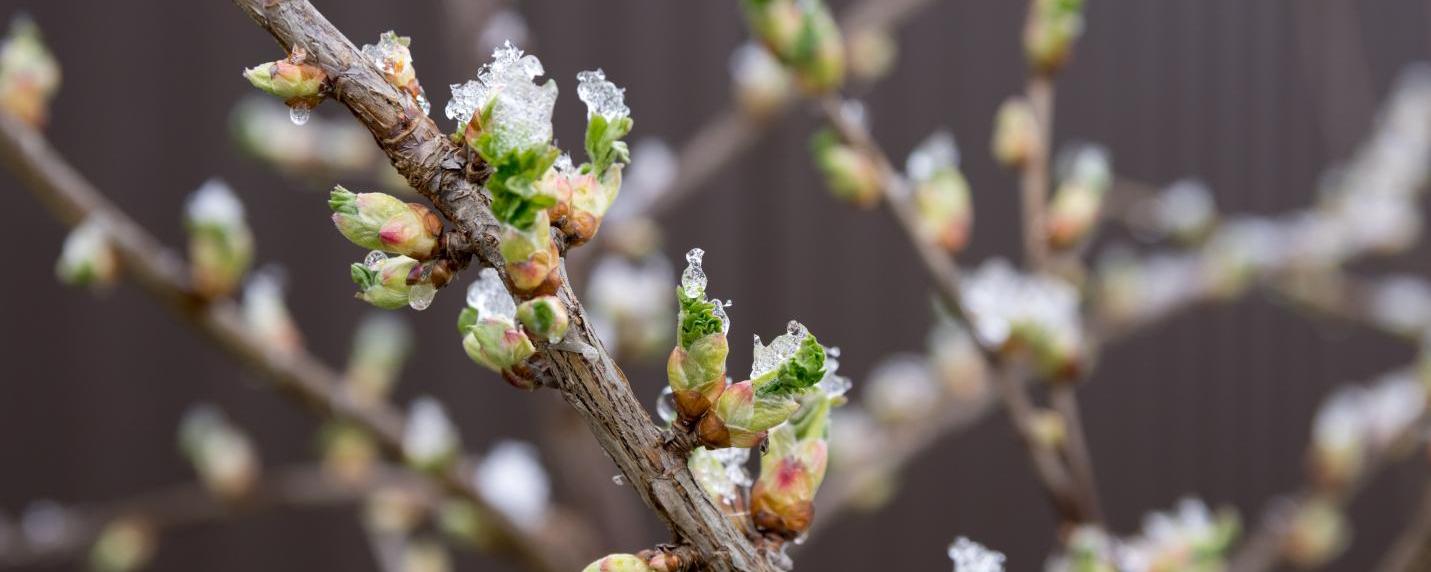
(595, 387)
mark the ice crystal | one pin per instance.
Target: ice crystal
(936, 153)
(390, 54)
(601, 96)
(489, 296)
(833, 384)
(693, 279)
(512, 478)
(768, 358)
(374, 260)
(420, 295)
(521, 110)
(1000, 299)
(666, 405)
(299, 114)
(970, 556)
(722, 472)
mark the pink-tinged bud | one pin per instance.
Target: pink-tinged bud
(379, 221)
(220, 243)
(221, 454)
(851, 175)
(297, 83)
(1085, 175)
(383, 281)
(791, 470)
(125, 545)
(531, 257)
(88, 258)
(941, 194)
(29, 74)
(1016, 133)
(497, 344)
(618, 563)
(740, 418)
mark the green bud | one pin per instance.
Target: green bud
(941, 195)
(88, 258)
(803, 35)
(741, 418)
(1016, 133)
(384, 283)
(125, 545)
(461, 522)
(530, 256)
(1050, 33)
(29, 73)
(349, 453)
(791, 364)
(1085, 176)
(497, 344)
(618, 563)
(220, 243)
(851, 175)
(517, 197)
(603, 142)
(291, 79)
(379, 221)
(221, 454)
(545, 317)
(380, 347)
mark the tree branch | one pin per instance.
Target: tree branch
(163, 275)
(595, 387)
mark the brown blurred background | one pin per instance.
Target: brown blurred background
(1256, 98)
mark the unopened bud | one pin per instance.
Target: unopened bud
(430, 441)
(872, 53)
(497, 344)
(782, 501)
(695, 369)
(379, 221)
(941, 194)
(618, 563)
(461, 522)
(380, 347)
(88, 258)
(1318, 533)
(221, 454)
(220, 242)
(29, 73)
(349, 453)
(739, 419)
(1016, 133)
(394, 510)
(804, 36)
(383, 281)
(852, 175)
(531, 256)
(762, 84)
(292, 79)
(125, 545)
(267, 314)
(544, 317)
(1050, 33)
(1085, 176)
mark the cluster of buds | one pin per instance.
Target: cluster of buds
(220, 242)
(941, 194)
(378, 221)
(267, 314)
(792, 466)
(490, 334)
(1052, 29)
(124, 545)
(1016, 133)
(803, 35)
(1356, 424)
(970, 556)
(301, 85)
(762, 84)
(430, 441)
(1084, 177)
(1013, 312)
(29, 74)
(222, 455)
(739, 414)
(852, 175)
(87, 258)
(393, 57)
(1191, 537)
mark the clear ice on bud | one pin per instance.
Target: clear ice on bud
(666, 405)
(970, 556)
(420, 295)
(374, 259)
(522, 110)
(299, 114)
(489, 296)
(693, 280)
(936, 153)
(720, 313)
(601, 96)
(618, 479)
(768, 358)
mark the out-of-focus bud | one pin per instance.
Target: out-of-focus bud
(1240, 250)
(544, 317)
(220, 242)
(791, 470)
(512, 477)
(970, 556)
(531, 256)
(221, 454)
(804, 36)
(630, 305)
(267, 314)
(462, 523)
(957, 362)
(1050, 33)
(394, 58)
(1016, 133)
(1089, 549)
(852, 175)
(349, 453)
(872, 53)
(299, 84)
(379, 221)
(1084, 178)
(1016, 312)
(383, 281)
(695, 369)
(394, 510)
(1191, 537)
(1318, 533)
(901, 389)
(88, 258)
(618, 563)
(425, 555)
(941, 194)
(1184, 211)
(762, 85)
(1339, 450)
(29, 74)
(380, 347)
(125, 545)
(430, 441)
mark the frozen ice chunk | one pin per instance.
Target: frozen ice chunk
(693, 279)
(489, 296)
(601, 96)
(521, 110)
(970, 556)
(768, 358)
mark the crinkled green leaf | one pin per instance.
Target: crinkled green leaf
(698, 318)
(802, 371)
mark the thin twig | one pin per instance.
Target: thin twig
(296, 373)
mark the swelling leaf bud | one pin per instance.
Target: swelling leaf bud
(618, 563)
(383, 281)
(1016, 133)
(1049, 35)
(29, 73)
(379, 221)
(220, 242)
(221, 454)
(851, 175)
(88, 258)
(298, 84)
(544, 317)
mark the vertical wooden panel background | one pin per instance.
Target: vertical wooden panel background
(1254, 97)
